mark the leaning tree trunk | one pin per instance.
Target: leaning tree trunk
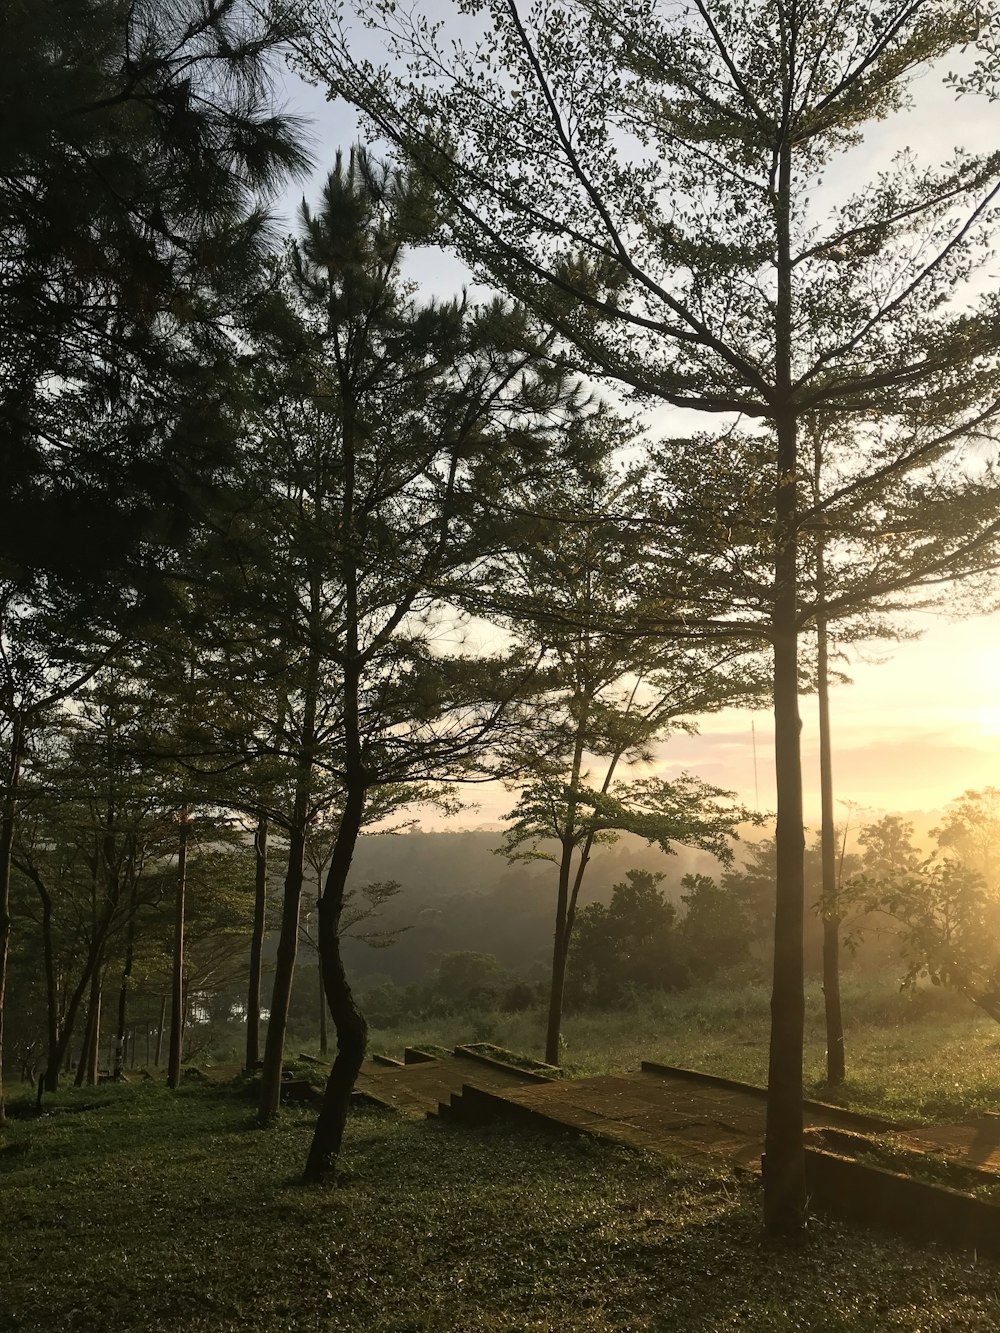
(348, 1020)
(257, 943)
(7, 818)
(324, 1042)
(177, 969)
(284, 972)
(60, 1057)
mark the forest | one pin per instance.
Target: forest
(299, 547)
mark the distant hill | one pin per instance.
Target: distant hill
(456, 894)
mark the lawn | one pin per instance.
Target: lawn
(129, 1208)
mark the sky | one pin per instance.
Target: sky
(920, 722)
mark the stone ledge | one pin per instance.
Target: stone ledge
(529, 1075)
(917, 1209)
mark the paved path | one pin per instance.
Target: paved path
(659, 1109)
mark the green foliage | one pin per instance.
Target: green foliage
(630, 944)
(714, 930)
(945, 908)
(463, 982)
(139, 138)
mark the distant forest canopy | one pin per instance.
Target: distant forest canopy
(456, 894)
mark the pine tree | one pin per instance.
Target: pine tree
(139, 139)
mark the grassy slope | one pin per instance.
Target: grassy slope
(930, 1056)
(148, 1211)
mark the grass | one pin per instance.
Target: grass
(928, 1057)
(145, 1211)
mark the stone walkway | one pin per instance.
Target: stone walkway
(661, 1109)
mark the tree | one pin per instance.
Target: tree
(971, 832)
(140, 138)
(90, 843)
(629, 945)
(714, 930)
(361, 906)
(421, 407)
(608, 701)
(947, 906)
(693, 267)
(373, 445)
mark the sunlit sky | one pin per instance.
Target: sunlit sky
(920, 722)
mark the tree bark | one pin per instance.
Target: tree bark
(560, 952)
(61, 1058)
(284, 971)
(564, 904)
(175, 1048)
(122, 1025)
(784, 1175)
(324, 1043)
(8, 814)
(349, 1022)
(53, 1053)
(159, 1032)
(257, 943)
(835, 1061)
(784, 1156)
(86, 1071)
(288, 935)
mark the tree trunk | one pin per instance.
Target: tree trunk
(159, 1032)
(177, 971)
(53, 1051)
(61, 1057)
(324, 1044)
(86, 1070)
(81, 1064)
(565, 904)
(835, 1062)
(257, 943)
(348, 1020)
(560, 952)
(8, 814)
(284, 972)
(120, 1033)
(288, 935)
(784, 1156)
(784, 1173)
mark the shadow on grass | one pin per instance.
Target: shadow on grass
(171, 1215)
